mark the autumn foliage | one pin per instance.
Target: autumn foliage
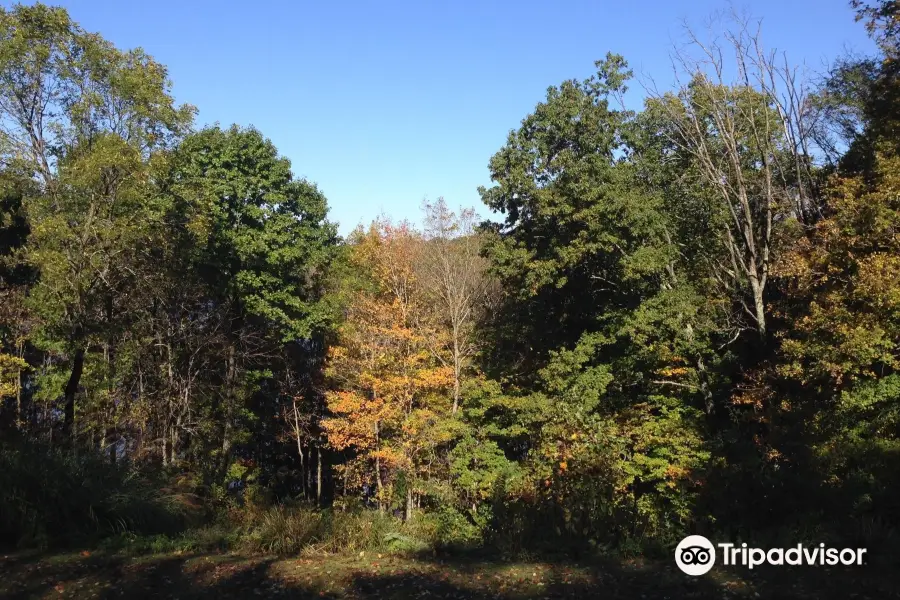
(681, 316)
(390, 404)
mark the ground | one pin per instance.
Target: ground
(88, 574)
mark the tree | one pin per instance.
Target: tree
(882, 20)
(385, 397)
(840, 283)
(87, 243)
(749, 142)
(62, 86)
(454, 274)
(16, 275)
(603, 304)
(558, 184)
(87, 119)
(260, 243)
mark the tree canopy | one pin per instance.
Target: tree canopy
(684, 307)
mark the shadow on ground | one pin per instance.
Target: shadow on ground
(222, 576)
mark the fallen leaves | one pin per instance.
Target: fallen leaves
(223, 577)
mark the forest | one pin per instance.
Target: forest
(682, 318)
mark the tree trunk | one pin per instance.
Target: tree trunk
(319, 476)
(19, 423)
(230, 383)
(457, 368)
(111, 434)
(173, 444)
(303, 478)
(165, 443)
(704, 386)
(378, 483)
(759, 306)
(20, 353)
(70, 391)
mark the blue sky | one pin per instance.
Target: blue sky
(385, 103)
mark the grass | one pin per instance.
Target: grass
(368, 575)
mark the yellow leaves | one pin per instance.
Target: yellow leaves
(337, 353)
(748, 399)
(390, 385)
(673, 371)
(10, 367)
(878, 280)
(435, 378)
(675, 472)
(846, 277)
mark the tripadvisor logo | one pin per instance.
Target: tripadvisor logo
(696, 555)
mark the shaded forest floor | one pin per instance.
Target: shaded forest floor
(90, 575)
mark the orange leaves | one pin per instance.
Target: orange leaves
(391, 458)
(384, 373)
(355, 421)
(344, 402)
(673, 371)
(435, 378)
(674, 472)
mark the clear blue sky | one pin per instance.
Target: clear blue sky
(384, 103)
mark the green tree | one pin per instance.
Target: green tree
(603, 307)
(261, 244)
(87, 118)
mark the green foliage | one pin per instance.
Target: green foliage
(292, 530)
(571, 209)
(89, 86)
(477, 466)
(211, 538)
(687, 320)
(50, 497)
(619, 445)
(261, 236)
(284, 530)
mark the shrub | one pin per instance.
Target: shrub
(459, 530)
(50, 497)
(210, 538)
(285, 530)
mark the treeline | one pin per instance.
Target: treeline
(687, 318)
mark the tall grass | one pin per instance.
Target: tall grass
(296, 530)
(51, 497)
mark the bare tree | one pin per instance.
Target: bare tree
(453, 272)
(744, 124)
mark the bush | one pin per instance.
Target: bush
(285, 530)
(211, 538)
(289, 530)
(456, 530)
(360, 531)
(50, 497)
